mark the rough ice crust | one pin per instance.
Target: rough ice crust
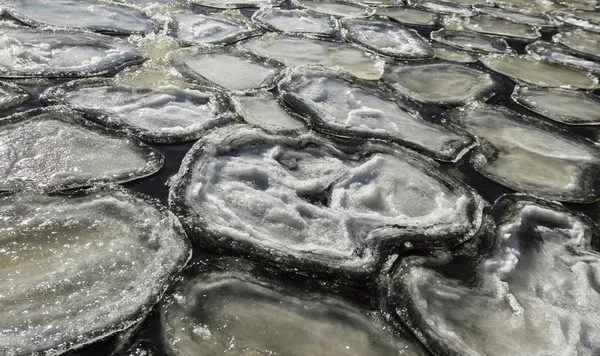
(535, 292)
(296, 22)
(230, 69)
(213, 29)
(164, 114)
(218, 312)
(56, 148)
(587, 20)
(518, 16)
(409, 16)
(529, 155)
(340, 105)
(236, 4)
(583, 42)
(386, 37)
(78, 268)
(11, 95)
(265, 112)
(499, 27)
(99, 16)
(470, 42)
(441, 83)
(562, 55)
(335, 8)
(26, 52)
(306, 206)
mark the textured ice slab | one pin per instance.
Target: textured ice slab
(566, 106)
(534, 6)
(583, 42)
(265, 112)
(452, 54)
(240, 309)
(76, 268)
(56, 148)
(295, 51)
(533, 291)
(211, 29)
(26, 52)
(230, 69)
(163, 114)
(443, 7)
(99, 16)
(303, 205)
(489, 25)
(236, 4)
(409, 16)
(540, 71)
(529, 155)
(562, 55)
(11, 95)
(587, 20)
(296, 22)
(340, 105)
(519, 16)
(441, 83)
(386, 37)
(335, 8)
(471, 42)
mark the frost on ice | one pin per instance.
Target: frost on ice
(471, 42)
(79, 267)
(232, 307)
(11, 95)
(562, 55)
(304, 205)
(211, 29)
(335, 8)
(56, 148)
(296, 22)
(441, 83)
(386, 37)
(266, 112)
(529, 155)
(489, 25)
(340, 105)
(26, 52)
(531, 290)
(163, 114)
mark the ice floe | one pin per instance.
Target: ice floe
(11, 95)
(335, 8)
(444, 7)
(409, 16)
(471, 42)
(587, 20)
(453, 55)
(211, 29)
(562, 55)
(489, 25)
(296, 22)
(236, 4)
(265, 111)
(583, 42)
(519, 16)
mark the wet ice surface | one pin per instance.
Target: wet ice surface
(236, 4)
(585, 43)
(535, 291)
(453, 55)
(94, 15)
(164, 114)
(205, 29)
(441, 83)
(410, 16)
(387, 38)
(470, 42)
(302, 204)
(77, 268)
(562, 55)
(531, 156)
(444, 7)
(565, 106)
(295, 22)
(11, 95)
(267, 113)
(335, 8)
(58, 53)
(56, 148)
(519, 16)
(587, 20)
(499, 27)
(342, 106)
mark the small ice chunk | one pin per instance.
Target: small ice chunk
(519, 16)
(11, 95)
(471, 42)
(265, 112)
(462, 8)
(56, 148)
(562, 55)
(489, 25)
(409, 16)
(296, 22)
(583, 42)
(77, 268)
(211, 29)
(530, 155)
(587, 20)
(335, 8)
(236, 4)
(441, 83)
(386, 37)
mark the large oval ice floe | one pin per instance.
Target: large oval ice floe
(562, 55)
(488, 25)
(335, 8)
(56, 148)
(11, 95)
(229, 305)
(444, 7)
(26, 52)
(583, 42)
(163, 114)
(306, 206)
(441, 83)
(409, 16)
(225, 68)
(532, 288)
(211, 29)
(387, 38)
(519, 16)
(587, 20)
(266, 112)
(471, 42)
(79, 267)
(530, 155)
(340, 105)
(296, 22)
(236, 4)
(99, 16)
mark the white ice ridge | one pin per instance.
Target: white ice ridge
(164, 114)
(296, 22)
(301, 203)
(536, 292)
(26, 52)
(211, 29)
(457, 8)
(11, 95)
(78, 268)
(56, 148)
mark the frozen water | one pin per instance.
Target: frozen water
(529, 155)
(226, 311)
(335, 8)
(296, 22)
(386, 37)
(304, 205)
(76, 268)
(99, 16)
(228, 69)
(583, 42)
(295, 51)
(342, 106)
(499, 27)
(533, 6)
(471, 42)
(56, 148)
(519, 16)
(539, 71)
(236, 4)
(11, 95)
(164, 114)
(453, 55)
(587, 20)
(562, 55)
(443, 7)
(265, 112)
(409, 16)
(211, 29)
(566, 106)
(441, 83)
(28, 52)
(533, 292)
